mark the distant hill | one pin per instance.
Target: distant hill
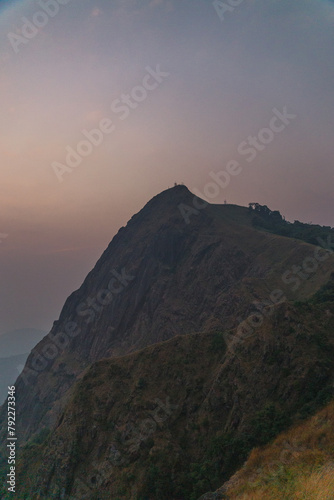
(18, 342)
(15, 347)
(10, 368)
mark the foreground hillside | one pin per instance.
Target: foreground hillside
(177, 419)
(299, 465)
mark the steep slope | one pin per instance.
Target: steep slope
(178, 418)
(162, 275)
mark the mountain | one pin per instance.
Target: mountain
(181, 277)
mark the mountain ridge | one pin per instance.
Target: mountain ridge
(175, 265)
(160, 278)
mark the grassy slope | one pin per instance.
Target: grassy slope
(299, 464)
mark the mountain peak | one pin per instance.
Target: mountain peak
(164, 207)
(177, 194)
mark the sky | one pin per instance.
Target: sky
(164, 91)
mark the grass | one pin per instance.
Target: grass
(299, 464)
(294, 483)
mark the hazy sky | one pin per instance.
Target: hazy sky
(222, 76)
